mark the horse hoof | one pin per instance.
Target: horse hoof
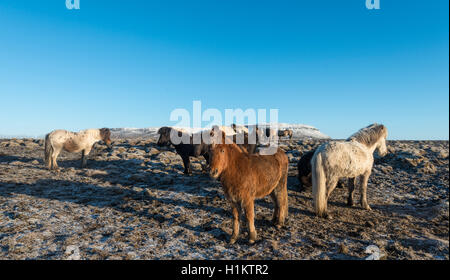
(350, 204)
(252, 237)
(323, 215)
(233, 240)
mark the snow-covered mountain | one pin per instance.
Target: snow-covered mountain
(299, 131)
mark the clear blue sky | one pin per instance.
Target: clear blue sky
(331, 64)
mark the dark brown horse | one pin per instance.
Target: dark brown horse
(304, 171)
(285, 133)
(188, 149)
(245, 177)
(185, 150)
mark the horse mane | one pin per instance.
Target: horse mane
(237, 149)
(369, 135)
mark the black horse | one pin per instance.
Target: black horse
(184, 150)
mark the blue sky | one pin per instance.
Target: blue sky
(331, 64)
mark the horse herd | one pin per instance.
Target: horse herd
(246, 173)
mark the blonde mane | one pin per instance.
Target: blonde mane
(369, 135)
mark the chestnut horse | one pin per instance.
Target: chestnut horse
(244, 137)
(73, 142)
(349, 159)
(245, 177)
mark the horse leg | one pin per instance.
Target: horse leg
(331, 186)
(206, 156)
(236, 209)
(249, 208)
(280, 197)
(276, 210)
(49, 164)
(49, 160)
(205, 167)
(83, 159)
(364, 181)
(187, 165)
(307, 180)
(54, 156)
(351, 188)
(48, 157)
(84, 154)
(340, 183)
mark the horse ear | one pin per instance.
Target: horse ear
(215, 133)
(384, 129)
(234, 127)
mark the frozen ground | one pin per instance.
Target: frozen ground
(135, 203)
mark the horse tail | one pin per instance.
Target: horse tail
(48, 151)
(319, 185)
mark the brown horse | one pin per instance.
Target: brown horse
(245, 177)
(285, 133)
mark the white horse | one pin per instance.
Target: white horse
(350, 159)
(73, 142)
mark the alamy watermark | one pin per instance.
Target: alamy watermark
(73, 4)
(253, 123)
(373, 4)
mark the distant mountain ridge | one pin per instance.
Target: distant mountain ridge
(299, 131)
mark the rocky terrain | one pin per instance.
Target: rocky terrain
(134, 203)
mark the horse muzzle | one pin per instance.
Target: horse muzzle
(214, 173)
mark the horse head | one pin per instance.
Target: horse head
(381, 145)
(164, 136)
(218, 159)
(105, 134)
